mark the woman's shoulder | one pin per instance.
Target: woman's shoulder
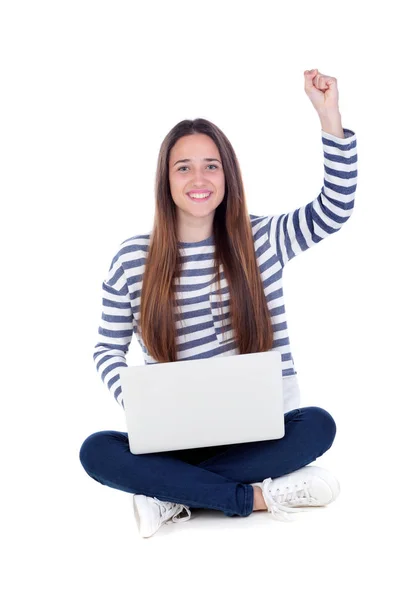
(133, 247)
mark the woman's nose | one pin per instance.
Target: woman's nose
(199, 176)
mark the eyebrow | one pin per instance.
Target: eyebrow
(185, 160)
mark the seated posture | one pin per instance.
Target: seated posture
(163, 287)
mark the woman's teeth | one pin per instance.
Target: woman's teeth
(199, 196)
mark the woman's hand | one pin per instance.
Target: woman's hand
(323, 92)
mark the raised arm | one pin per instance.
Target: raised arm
(291, 233)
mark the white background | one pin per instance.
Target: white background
(88, 92)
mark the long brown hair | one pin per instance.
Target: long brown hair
(234, 249)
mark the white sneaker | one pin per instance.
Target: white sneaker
(299, 490)
(151, 513)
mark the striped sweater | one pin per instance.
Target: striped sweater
(277, 239)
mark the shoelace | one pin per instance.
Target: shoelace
(182, 507)
(168, 507)
(290, 495)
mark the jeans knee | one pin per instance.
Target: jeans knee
(324, 422)
(91, 449)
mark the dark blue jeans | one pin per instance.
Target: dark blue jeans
(216, 477)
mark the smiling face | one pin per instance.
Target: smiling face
(195, 165)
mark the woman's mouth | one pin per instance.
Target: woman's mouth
(199, 197)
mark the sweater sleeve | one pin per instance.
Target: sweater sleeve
(115, 329)
(296, 231)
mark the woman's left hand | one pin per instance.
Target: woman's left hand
(322, 91)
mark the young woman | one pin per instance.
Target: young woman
(164, 287)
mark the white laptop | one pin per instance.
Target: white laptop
(203, 402)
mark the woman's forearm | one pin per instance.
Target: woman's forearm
(332, 124)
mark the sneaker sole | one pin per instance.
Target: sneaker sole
(144, 533)
(136, 513)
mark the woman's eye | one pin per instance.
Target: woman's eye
(208, 165)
